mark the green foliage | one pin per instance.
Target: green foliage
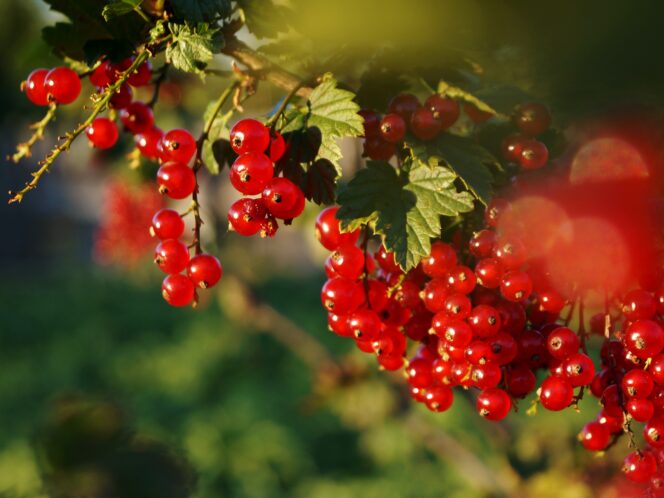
(218, 132)
(197, 11)
(405, 210)
(193, 46)
(118, 8)
(264, 18)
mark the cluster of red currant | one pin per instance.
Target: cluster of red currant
(59, 85)
(522, 148)
(252, 173)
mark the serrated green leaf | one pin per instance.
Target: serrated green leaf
(118, 8)
(457, 93)
(201, 10)
(193, 46)
(406, 214)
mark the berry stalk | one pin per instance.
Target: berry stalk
(24, 149)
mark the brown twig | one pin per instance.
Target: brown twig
(25, 149)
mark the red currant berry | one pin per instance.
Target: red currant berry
(341, 295)
(371, 123)
(277, 147)
(245, 216)
(386, 260)
(328, 230)
(534, 155)
(142, 76)
(249, 135)
(639, 466)
(378, 149)
(114, 70)
(178, 145)
(653, 433)
(551, 302)
(512, 147)
(176, 180)
(251, 172)
(171, 256)
(484, 320)
(392, 128)
(348, 261)
(444, 109)
(454, 331)
(439, 398)
(641, 410)
(62, 85)
(122, 98)
(457, 305)
(408, 294)
(167, 224)
(102, 133)
(562, 343)
(489, 273)
(657, 369)
(637, 384)
(98, 77)
(516, 286)
(532, 119)
(137, 117)
(35, 87)
(510, 253)
(269, 226)
(638, 305)
(521, 381)
(493, 404)
(296, 210)
(441, 260)
(365, 324)
(461, 279)
(512, 316)
(481, 245)
(503, 348)
(611, 400)
(177, 290)
(204, 270)
(424, 125)
(391, 362)
(556, 393)
(594, 436)
(280, 196)
(148, 142)
(404, 105)
(419, 372)
(485, 376)
(435, 294)
(579, 369)
(478, 352)
(494, 211)
(644, 339)
(339, 325)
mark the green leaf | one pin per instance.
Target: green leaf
(201, 10)
(193, 46)
(219, 130)
(118, 8)
(503, 98)
(405, 213)
(264, 18)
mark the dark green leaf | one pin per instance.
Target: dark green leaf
(319, 182)
(118, 8)
(503, 98)
(219, 130)
(223, 155)
(193, 46)
(201, 10)
(264, 18)
(303, 146)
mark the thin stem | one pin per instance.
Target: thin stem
(163, 71)
(140, 12)
(570, 312)
(100, 105)
(25, 149)
(272, 122)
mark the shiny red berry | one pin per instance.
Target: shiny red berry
(653, 433)
(62, 85)
(638, 305)
(644, 339)
(484, 320)
(551, 302)
(419, 372)
(280, 196)
(532, 118)
(442, 259)
(424, 125)
(371, 123)
(493, 404)
(277, 147)
(494, 211)
(245, 216)
(148, 142)
(444, 109)
(489, 273)
(35, 87)
(167, 224)
(328, 230)
(556, 393)
(641, 410)
(504, 348)
(204, 270)
(102, 133)
(512, 147)
(178, 145)
(392, 128)
(142, 76)
(457, 305)
(562, 343)
(348, 261)
(404, 105)
(510, 252)
(481, 245)
(435, 294)
(386, 260)
(439, 398)
(251, 172)
(594, 436)
(461, 279)
(637, 384)
(171, 256)
(341, 295)
(177, 290)
(639, 466)
(249, 135)
(485, 376)
(121, 98)
(176, 180)
(99, 77)
(520, 381)
(534, 155)
(365, 324)
(516, 286)
(339, 324)
(579, 369)
(137, 117)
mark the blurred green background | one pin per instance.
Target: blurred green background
(105, 391)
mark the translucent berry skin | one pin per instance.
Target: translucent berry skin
(178, 145)
(511, 253)
(594, 436)
(204, 270)
(167, 224)
(639, 305)
(494, 211)
(98, 77)
(551, 302)
(122, 98)
(532, 118)
(521, 381)
(503, 348)
(439, 398)
(493, 404)
(296, 210)
(35, 87)
(62, 85)
(386, 260)
(653, 433)
(481, 245)
(102, 133)
(516, 286)
(392, 128)
(534, 155)
(639, 466)
(251, 172)
(562, 343)
(348, 261)
(486, 376)
(137, 117)
(176, 180)
(424, 125)
(364, 324)
(171, 256)
(435, 295)
(579, 369)
(512, 147)
(277, 147)
(457, 305)
(328, 230)
(641, 410)
(280, 195)
(445, 110)
(556, 393)
(419, 373)
(441, 260)
(644, 339)
(484, 320)
(178, 290)
(245, 217)
(148, 143)
(637, 384)
(455, 332)
(461, 279)
(403, 105)
(341, 295)
(489, 273)
(249, 135)
(142, 76)
(657, 369)
(339, 324)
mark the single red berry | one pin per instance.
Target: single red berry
(534, 155)
(404, 105)
(178, 290)
(494, 211)
(475, 114)
(493, 404)
(391, 362)
(419, 372)
(489, 273)
(441, 260)
(378, 297)
(371, 123)
(532, 118)
(148, 143)
(204, 270)
(613, 424)
(638, 305)
(424, 125)
(35, 87)
(142, 76)
(521, 381)
(245, 216)
(249, 135)
(251, 172)
(556, 393)
(512, 316)
(392, 128)
(434, 295)
(365, 324)
(454, 331)
(659, 298)
(511, 253)
(637, 384)
(461, 279)
(408, 294)
(280, 196)
(328, 230)
(594, 436)
(439, 398)
(653, 433)
(390, 341)
(641, 410)
(644, 339)
(341, 295)
(485, 376)
(478, 352)
(171, 256)
(579, 369)
(504, 348)
(339, 324)
(611, 400)
(348, 261)
(167, 224)
(657, 369)
(457, 305)
(115, 69)
(639, 466)
(444, 109)
(62, 85)
(176, 180)
(551, 302)
(481, 245)
(178, 145)
(562, 343)
(122, 98)
(378, 149)
(296, 210)
(137, 117)
(102, 133)
(516, 286)
(386, 260)
(99, 77)
(484, 320)
(277, 147)
(512, 147)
